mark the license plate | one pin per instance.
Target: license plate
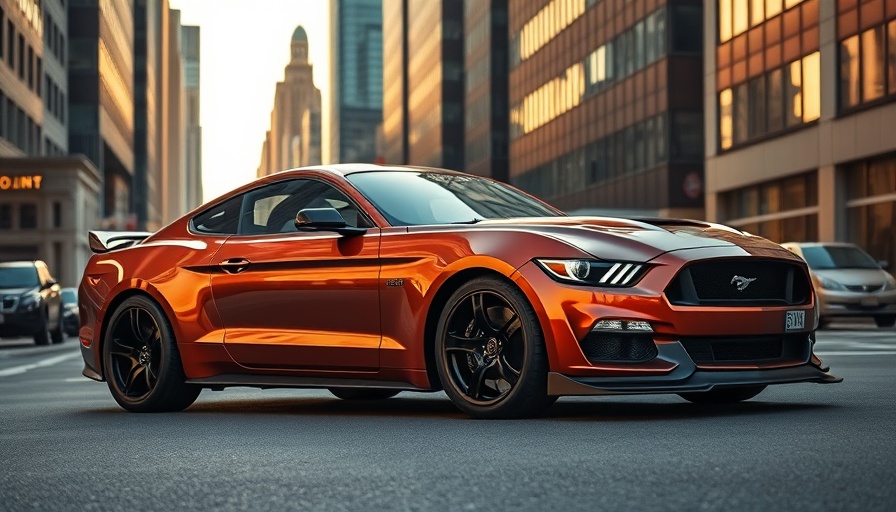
(794, 320)
(870, 301)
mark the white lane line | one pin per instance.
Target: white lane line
(79, 379)
(18, 370)
(857, 353)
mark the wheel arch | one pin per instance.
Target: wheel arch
(437, 305)
(113, 304)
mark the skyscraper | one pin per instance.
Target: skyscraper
(356, 79)
(294, 138)
(424, 51)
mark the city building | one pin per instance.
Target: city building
(606, 109)
(192, 129)
(47, 200)
(294, 139)
(800, 99)
(356, 79)
(147, 193)
(423, 82)
(486, 134)
(101, 98)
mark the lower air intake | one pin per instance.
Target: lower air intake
(618, 347)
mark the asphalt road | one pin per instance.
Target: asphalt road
(66, 445)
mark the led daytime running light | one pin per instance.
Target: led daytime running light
(623, 325)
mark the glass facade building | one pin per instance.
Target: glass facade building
(801, 119)
(356, 78)
(605, 104)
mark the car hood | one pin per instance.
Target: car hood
(854, 276)
(644, 239)
(18, 291)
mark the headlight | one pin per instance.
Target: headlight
(594, 272)
(891, 283)
(830, 284)
(30, 301)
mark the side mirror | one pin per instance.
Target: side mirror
(884, 264)
(325, 219)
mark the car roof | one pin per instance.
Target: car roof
(353, 168)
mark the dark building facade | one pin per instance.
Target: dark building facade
(147, 192)
(606, 105)
(101, 96)
(801, 120)
(356, 79)
(486, 131)
(427, 52)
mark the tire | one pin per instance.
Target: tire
(42, 334)
(885, 320)
(363, 393)
(490, 353)
(58, 334)
(723, 395)
(141, 362)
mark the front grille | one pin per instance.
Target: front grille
(618, 347)
(865, 288)
(747, 349)
(740, 282)
(10, 303)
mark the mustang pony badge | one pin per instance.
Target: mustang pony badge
(742, 282)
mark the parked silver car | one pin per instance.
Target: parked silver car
(848, 281)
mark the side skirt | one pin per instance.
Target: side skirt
(278, 381)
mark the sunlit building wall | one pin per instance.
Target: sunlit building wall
(147, 197)
(605, 100)
(192, 129)
(430, 63)
(485, 88)
(101, 96)
(356, 79)
(173, 156)
(801, 119)
(294, 139)
(395, 81)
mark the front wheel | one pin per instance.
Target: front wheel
(142, 365)
(490, 353)
(723, 395)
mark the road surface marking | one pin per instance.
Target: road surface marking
(856, 353)
(18, 370)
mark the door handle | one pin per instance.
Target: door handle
(234, 265)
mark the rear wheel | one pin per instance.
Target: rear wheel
(58, 334)
(142, 365)
(490, 352)
(885, 320)
(42, 334)
(723, 395)
(363, 393)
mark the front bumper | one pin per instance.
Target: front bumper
(842, 303)
(20, 323)
(686, 377)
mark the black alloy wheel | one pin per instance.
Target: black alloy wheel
(142, 365)
(721, 396)
(490, 351)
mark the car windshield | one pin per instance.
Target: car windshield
(18, 277)
(421, 198)
(829, 257)
(69, 296)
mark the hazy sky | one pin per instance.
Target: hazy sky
(244, 50)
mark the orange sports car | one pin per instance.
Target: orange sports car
(371, 280)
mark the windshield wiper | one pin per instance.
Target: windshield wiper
(474, 220)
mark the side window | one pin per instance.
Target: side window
(273, 208)
(222, 219)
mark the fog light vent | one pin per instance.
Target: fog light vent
(618, 346)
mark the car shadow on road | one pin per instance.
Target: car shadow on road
(436, 407)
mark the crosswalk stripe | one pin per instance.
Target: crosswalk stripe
(18, 370)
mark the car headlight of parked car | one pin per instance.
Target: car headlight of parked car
(830, 284)
(30, 301)
(890, 284)
(594, 272)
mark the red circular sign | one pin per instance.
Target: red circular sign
(693, 187)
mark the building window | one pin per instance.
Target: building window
(782, 98)
(21, 61)
(10, 44)
(28, 216)
(737, 16)
(870, 206)
(781, 210)
(867, 53)
(5, 216)
(57, 214)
